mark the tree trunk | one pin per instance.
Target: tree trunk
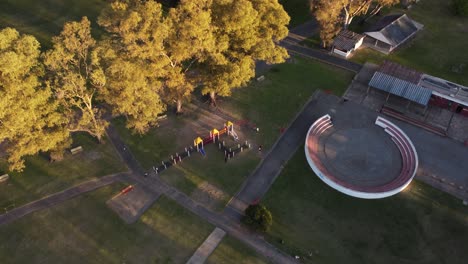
(179, 106)
(213, 98)
(348, 20)
(374, 12)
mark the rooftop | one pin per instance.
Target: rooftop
(400, 72)
(346, 40)
(394, 29)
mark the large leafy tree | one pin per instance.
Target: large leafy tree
(327, 14)
(334, 15)
(189, 41)
(76, 76)
(244, 31)
(134, 59)
(29, 121)
(174, 43)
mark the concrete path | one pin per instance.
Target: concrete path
(231, 226)
(208, 246)
(60, 197)
(258, 183)
(123, 151)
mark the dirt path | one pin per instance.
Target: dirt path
(60, 197)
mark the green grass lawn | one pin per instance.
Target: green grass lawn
(41, 177)
(85, 230)
(232, 251)
(44, 19)
(298, 10)
(438, 49)
(272, 103)
(419, 225)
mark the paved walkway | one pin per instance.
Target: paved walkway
(207, 247)
(123, 150)
(231, 226)
(258, 183)
(60, 197)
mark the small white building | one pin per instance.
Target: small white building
(346, 42)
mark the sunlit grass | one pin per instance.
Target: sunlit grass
(85, 230)
(42, 177)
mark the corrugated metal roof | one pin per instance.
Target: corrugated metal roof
(400, 87)
(394, 29)
(347, 40)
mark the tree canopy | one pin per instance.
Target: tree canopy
(332, 16)
(149, 58)
(75, 76)
(460, 7)
(244, 31)
(29, 120)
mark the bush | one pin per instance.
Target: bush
(460, 7)
(258, 217)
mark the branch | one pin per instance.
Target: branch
(170, 61)
(190, 65)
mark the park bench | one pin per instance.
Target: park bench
(161, 117)
(76, 150)
(4, 178)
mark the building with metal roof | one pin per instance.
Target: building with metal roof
(346, 42)
(391, 31)
(402, 88)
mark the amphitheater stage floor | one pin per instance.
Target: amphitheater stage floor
(443, 162)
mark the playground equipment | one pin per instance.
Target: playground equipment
(214, 133)
(230, 130)
(199, 143)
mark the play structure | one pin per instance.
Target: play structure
(199, 144)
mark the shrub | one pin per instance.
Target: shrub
(460, 7)
(258, 217)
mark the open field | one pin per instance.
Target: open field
(420, 225)
(232, 251)
(41, 177)
(439, 49)
(85, 230)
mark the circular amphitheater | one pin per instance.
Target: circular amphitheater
(370, 162)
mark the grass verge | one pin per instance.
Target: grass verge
(232, 251)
